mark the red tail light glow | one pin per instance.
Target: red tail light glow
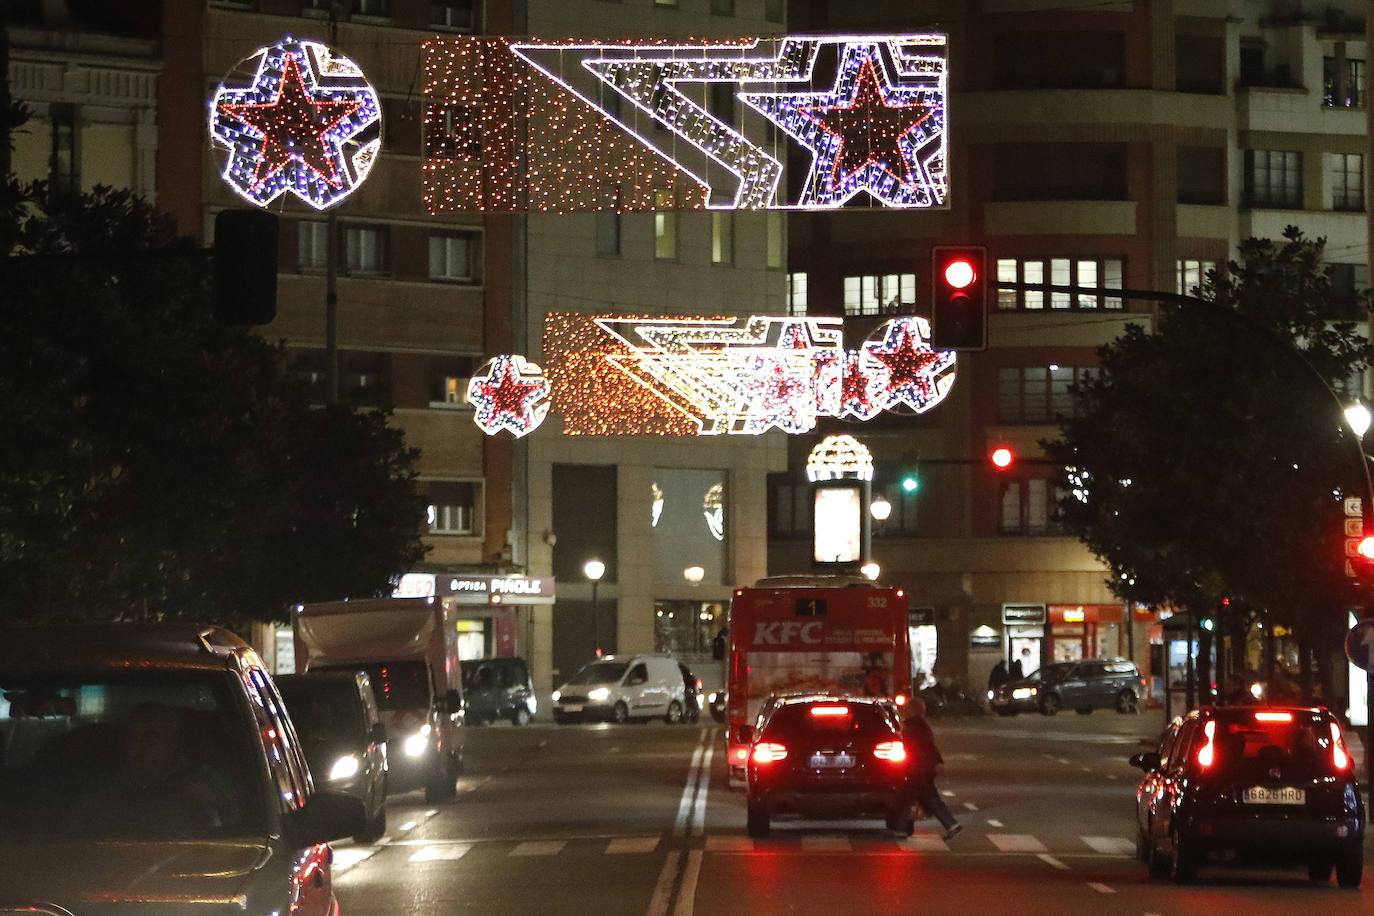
(891, 751)
(739, 755)
(768, 752)
(900, 699)
(829, 710)
(1339, 756)
(1273, 717)
(1207, 753)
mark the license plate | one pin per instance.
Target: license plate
(1260, 795)
(571, 707)
(821, 761)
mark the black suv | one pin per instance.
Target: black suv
(1253, 785)
(146, 766)
(822, 756)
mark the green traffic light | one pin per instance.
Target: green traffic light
(910, 483)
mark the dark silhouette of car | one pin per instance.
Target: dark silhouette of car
(336, 717)
(830, 757)
(1098, 683)
(146, 766)
(1251, 785)
(499, 688)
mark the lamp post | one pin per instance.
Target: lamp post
(594, 570)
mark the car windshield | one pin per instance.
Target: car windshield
(321, 708)
(1253, 744)
(1050, 674)
(147, 756)
(600, 673)
(397, 685)
(798, 722)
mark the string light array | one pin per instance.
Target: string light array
(633, 375)
(296, 117)
(568, 126)
(839, 458)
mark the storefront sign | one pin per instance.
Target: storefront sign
(467, 589)
(1023, 613)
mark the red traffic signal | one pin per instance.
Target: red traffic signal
(1002, 457)
(958, 312)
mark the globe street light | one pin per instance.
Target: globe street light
(1358, 417)
(880, 508)
(594, 570)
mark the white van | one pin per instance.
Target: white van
(619, 688)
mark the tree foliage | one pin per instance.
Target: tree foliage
(155, 463)
(1209, 457)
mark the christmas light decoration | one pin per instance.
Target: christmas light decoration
(609, 124)
(628, 375)
(296, 117)
(839, 458)
(509, 393)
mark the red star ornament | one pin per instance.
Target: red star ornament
(854, 398)
(507, 398)
(293, 126)
(868, 129)
(909, 365)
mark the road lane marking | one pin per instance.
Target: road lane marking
(1063, 760)
(971, 806)
(1110, 845)
(687, 891)
(946, 793)
(826, 844)
(684, 808)
(729, 844)
(1016, 842)
(663, 889)
(1101, 888)
(345, 859)
(446, 852)
(539, 848)
(408, 825)
(703, 786)
(632, 844)
(926, 842)
(993, 822)
(1051, 860)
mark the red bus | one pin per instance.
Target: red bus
(812, 634)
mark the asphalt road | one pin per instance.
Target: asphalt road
(637, 819)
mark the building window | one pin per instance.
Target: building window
(1343, 87)
(460, 15)
(774, 10)
(721, 102)
(1274, 178)
(607, 228)
(1029, 508)
(796, 294)
(1345, 175)
(773, 229)
(1191, 275)
(452, 507)
(665, 2)
(722, 237)
(1038, 394)
(365, 252)
(452, 132)
(312, 245)
(453, 256)
(450, 384)
(722, 7)
(791, 515)
(1097, 273)
(879, 295)
(665, 225)
(64, 166)
(372, 7)
(902, 520)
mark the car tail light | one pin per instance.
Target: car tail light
(826, 711)
(739, 754)
(1339, 755)
(900, 699)
(891, 751)
(768, 752)
(1207, 753)
(1273, 717)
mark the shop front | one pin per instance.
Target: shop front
(494, 611)
(1079, 631)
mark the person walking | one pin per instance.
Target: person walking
(916, 731)
(999, 676)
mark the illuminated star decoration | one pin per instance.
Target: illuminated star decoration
(307, 122)
(509, 393)
(912, 375)
(663, 92)
(867, 133)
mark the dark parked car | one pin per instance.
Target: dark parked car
(823, 756)
(1254, 785)
(499, 688)
(145, 768)
(336, 717)
(1098, 683)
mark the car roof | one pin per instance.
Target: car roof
(798, 699)
(70, 647)
(1237, 713)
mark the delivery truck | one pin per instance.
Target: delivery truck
(409, 648)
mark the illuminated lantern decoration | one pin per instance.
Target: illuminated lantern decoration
(296, 117)
(509, 393)
(876, 126)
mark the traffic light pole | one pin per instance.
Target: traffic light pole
(1284, 345)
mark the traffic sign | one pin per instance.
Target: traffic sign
(1359, 643)
(1354, 532)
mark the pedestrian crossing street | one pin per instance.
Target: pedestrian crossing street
(418, 852)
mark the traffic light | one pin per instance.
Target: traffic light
(1002, 457)
(959, 301)
(911, 482)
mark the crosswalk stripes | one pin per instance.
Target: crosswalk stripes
(632, 844)
(926, 842)
(539, 848)
(1110, 845)
(1016, 842)
(444, 853)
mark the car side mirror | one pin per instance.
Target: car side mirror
(328, 815)
(1148, 762)
(377, 733)
(746, 734)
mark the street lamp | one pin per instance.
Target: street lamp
(1358, 417)
(871, 570)
(594, 570)
(880, 508)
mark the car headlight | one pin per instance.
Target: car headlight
(1022, 693)
(555, 695)
(415, 745)
(991, 694)
(712, 697)
(600, 693)
(344, 767)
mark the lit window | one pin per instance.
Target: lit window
(363, 249)
(722, 237)
(452, 257)
(774, 229)
(312, 245)
(665, 225)
(452, 508)
(1191, 274)
(796, 294)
